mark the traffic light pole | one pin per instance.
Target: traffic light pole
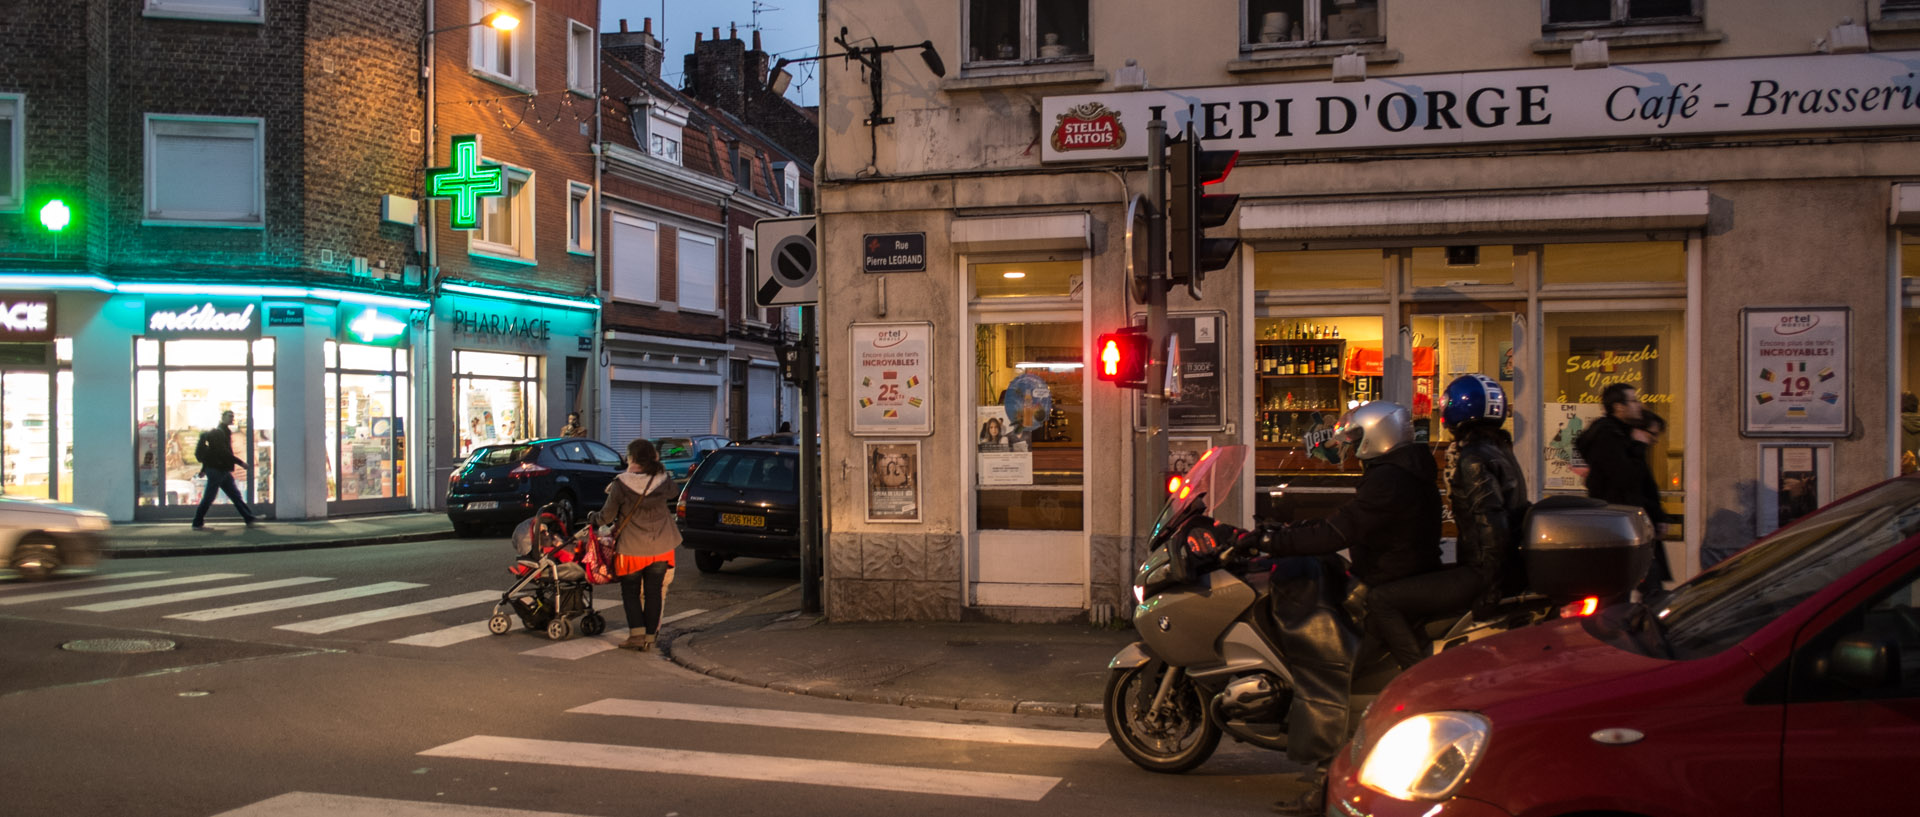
(1148, 475)
(809, 469)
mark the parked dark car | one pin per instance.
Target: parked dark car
(1784, 680)
(743, 501)
(504, 483)
(683, 454)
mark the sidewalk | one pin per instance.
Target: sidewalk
(132, 540)
(1036, 669)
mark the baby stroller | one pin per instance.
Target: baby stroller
(552, 591)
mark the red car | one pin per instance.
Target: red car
(1783, 681)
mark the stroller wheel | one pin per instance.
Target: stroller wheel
(499, 625)
(593, 624)
(559, 629)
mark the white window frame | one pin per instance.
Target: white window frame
(1312, 28)
(521, 40)
(711, 252)
(13, 117)
(522, 248)
(225, 127)
(1620, 20)
(789, 185)
(1029, 45)
(751, 311)
(580, 210)
(644, 274)
(231, 11)
(582, 62)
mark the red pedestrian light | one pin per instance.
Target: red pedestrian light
(1122, 357)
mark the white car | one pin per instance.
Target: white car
(39, 536)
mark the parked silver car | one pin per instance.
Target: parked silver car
(38, 536)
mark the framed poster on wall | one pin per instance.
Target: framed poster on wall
(893, 481)
(1795, 376)
(1201, 402)
(892, 389)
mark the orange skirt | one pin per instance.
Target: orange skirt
(624, 564)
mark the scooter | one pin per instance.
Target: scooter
(1268, 651)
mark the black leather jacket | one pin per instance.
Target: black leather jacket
(1489, 498)
(1391, 529)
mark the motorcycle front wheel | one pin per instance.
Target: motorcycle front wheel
(1174, 739)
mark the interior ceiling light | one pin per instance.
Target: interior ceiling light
(1013, 274)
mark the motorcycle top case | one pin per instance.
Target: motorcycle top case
(1577, 547)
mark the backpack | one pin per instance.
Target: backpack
(203, 449)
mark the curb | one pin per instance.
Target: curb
(152, 551)
(681, 652)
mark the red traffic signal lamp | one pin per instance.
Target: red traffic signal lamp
(1121, 357)
(1191, 211)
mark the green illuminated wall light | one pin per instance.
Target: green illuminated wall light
(55, 216)
(466, 182)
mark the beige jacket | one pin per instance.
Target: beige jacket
(649, 501)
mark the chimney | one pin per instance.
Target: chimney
(715, 73)
(756, 39)
(639, 48)
(733, 32)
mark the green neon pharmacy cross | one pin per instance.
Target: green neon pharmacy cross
(466, 182)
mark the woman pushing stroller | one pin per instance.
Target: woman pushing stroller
(640, 508)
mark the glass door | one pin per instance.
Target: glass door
(181, 389)
(1448, 340)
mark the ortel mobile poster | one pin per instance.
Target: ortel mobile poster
(892, 378)
(1795, 372)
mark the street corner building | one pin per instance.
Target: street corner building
(1715, 201)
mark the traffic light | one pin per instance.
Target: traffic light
(1191, 211)
(1121, 357)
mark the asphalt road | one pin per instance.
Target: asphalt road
(388, 703)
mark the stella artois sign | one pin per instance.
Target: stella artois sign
(1092, 126)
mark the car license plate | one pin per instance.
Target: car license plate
(743, 520)
(483, 506)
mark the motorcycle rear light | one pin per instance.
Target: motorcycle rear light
(529, 469)
(1173, 484)
(1582, 608)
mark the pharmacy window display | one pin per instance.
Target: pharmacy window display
(36, 420)
(369, 389)
(496, 395)
(181, 387)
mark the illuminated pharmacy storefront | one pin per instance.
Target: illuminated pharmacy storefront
(511, 367)
(196, 359)
(36, 398)
(369, 392)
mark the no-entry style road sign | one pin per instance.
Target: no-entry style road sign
(787, 262)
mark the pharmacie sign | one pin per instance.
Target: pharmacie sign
(202, 318)
(1814, 92)
(26, 317)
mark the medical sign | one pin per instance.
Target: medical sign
(169, 318)
(466, 182)
(892, 378)
(372, 326)
(26, 317)
(1795, 373)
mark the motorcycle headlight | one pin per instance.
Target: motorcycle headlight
(1139, 594)
(1426, 757)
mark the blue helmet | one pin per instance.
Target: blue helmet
(1472, 398)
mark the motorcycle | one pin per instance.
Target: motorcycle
(1267, 650)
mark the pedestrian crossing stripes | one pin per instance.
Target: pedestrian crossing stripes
(88, 580)
(889, 727)
(836, 773)
(365, 617)
(291, 602)
(191, 595)
(447, 637)
(304, 804)
(121, 588)
(582, 647)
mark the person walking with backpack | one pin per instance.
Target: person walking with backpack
(640, 502)
(215, 453)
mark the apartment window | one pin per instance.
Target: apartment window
(506, 222)
(580, 61)
(1025, 31)
(1284, 23)
(205, 171)
(1595, 13)
(663, 140)
(789, 185)
(231, 10)
(579, 217)
(699, 273)
(12, 151)
(504, 55)
(635, 258)
(749, 272)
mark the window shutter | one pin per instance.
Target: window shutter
(204, 177)
(636, 259)
(699, 285)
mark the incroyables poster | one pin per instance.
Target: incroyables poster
(1003, 457)
(893, 482)
(892, 378)
(1795, 372)
(1565, 470)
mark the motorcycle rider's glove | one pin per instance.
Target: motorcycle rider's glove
(1258, 540)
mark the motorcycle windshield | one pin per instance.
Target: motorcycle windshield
(1211, 480)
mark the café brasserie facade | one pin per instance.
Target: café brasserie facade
(1733, 236)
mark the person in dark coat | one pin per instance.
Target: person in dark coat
(1617, 470)
(215, 453)
(1391, 532)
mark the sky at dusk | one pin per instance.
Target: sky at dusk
(788, 28)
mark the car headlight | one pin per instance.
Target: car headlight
(94, 522)
(1426, 756)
